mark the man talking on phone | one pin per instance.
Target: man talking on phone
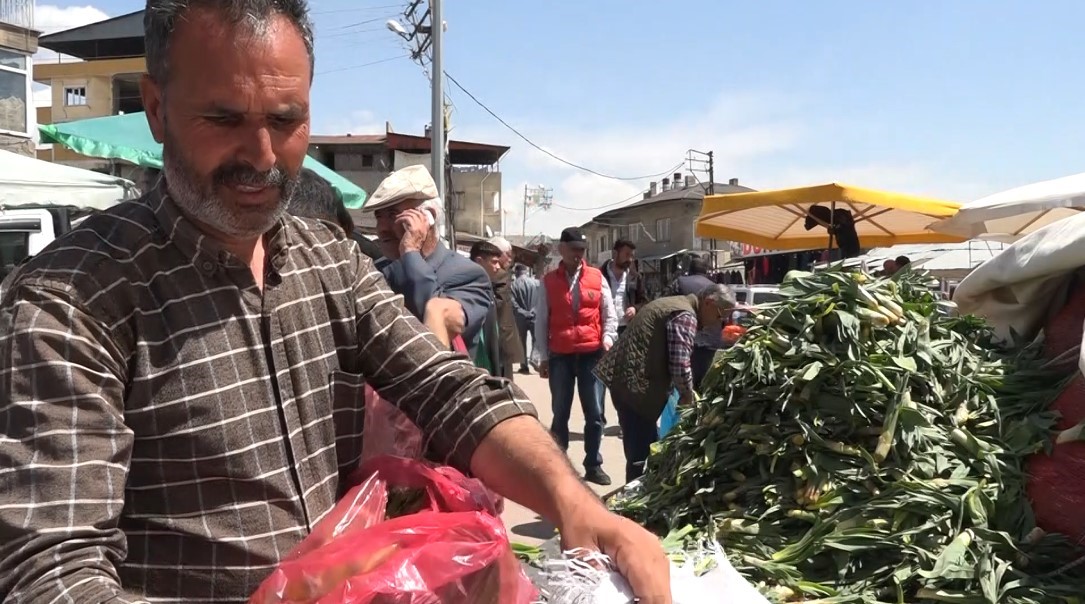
(407, 208)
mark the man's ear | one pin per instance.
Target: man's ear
(153, 106)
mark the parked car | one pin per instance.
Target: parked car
(754, 295)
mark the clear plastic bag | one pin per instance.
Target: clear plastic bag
(453, 552)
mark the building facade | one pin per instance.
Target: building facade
(663, 227)
(475, 173)
(18, 43)
(104, 82)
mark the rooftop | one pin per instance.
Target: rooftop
(461, 153)
(115, 38)
(694, 192)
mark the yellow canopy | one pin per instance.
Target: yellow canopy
(775, 219)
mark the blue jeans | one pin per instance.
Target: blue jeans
(638, 434)
(566, 372)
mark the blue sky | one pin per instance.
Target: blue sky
(949, 99)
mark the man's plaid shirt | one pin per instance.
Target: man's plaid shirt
(168, 431)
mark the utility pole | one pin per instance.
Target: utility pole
(427, 31)
(535, 197)
(707, 163)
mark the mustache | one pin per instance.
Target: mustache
(239, 174)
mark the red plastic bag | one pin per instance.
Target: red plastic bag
(447, 490)
(452, 553)
(1055, 486)
(388, 431)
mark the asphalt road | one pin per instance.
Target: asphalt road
(525, 526)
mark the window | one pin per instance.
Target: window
(352, 162)
(14, 92)
(14, 247)
(603, 245)
(634, 232)
(663, 229)
(75, 96)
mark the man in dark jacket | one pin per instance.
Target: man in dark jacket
(524, 290)
(651, 358)
(695, 279)
(627, 289)
(499, 348)
(316, 198)
(626, 285)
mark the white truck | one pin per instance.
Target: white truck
(25, 231)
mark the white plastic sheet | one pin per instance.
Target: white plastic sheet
(590, 579)
(1018, 289)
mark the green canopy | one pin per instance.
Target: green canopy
(129, 138)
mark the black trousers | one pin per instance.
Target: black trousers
(700, 362)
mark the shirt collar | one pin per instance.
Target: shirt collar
(203, 251)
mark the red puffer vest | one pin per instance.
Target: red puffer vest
(581, 332)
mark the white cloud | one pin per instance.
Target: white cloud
(768, 141)
(50, 18)
(738, 128)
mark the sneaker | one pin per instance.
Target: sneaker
(597, 475)
(525, 371)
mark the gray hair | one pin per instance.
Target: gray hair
(718, 295)
(161, 16)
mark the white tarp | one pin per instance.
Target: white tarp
(25, 181)
(1020, 287)
(1011, 214)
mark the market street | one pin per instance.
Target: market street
(524, 525)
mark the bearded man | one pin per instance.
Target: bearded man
(182, 377)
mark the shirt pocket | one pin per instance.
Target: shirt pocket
(347, 393)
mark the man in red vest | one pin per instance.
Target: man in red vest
(575, 323)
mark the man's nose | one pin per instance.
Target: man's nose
(256, 149)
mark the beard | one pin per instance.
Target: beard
(623, 264)
(199, 201)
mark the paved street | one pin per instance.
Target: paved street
(523, 525)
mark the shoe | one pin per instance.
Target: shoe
(525, 371)
(598, 476)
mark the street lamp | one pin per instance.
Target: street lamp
(397, 28)
(437, 108)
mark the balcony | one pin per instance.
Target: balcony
(17, 12)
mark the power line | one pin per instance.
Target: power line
(532, 143)
(371, 63)
(354, 10)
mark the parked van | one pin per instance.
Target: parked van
(25, 231)
(753, 295)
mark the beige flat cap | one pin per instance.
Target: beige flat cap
(410, 183)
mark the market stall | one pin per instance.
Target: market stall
(1009, 215)
(128, 137)
(831, 216)
(25, 181)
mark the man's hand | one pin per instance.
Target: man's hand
(445, 318)
(607, 344)
(415, 230)
(630, 312)
(685, 399)
(637, 553)
(544, 369)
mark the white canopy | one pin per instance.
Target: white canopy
(1009, 215)
(25, 181)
